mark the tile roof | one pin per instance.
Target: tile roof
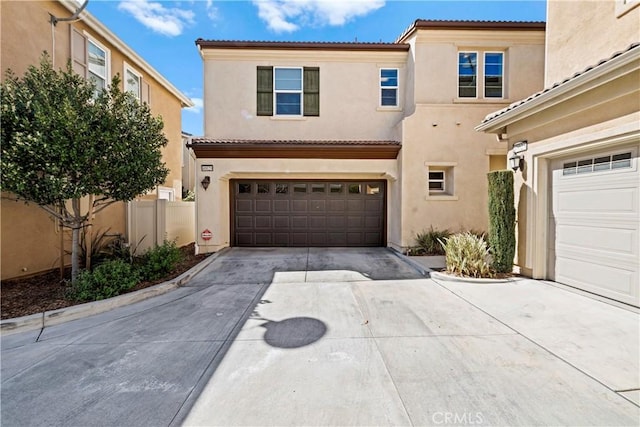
(434, 24)
(264, 142)
(293, 45)
(517, 104)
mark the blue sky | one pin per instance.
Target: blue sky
(164, 32)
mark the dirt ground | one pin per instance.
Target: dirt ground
(43, 292)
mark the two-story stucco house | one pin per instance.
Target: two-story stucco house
(31, 240)
(356, 144)
(578, 187)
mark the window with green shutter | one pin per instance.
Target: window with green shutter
(265, 91)
(288, 91)
(311, 91)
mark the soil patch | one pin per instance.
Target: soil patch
(45, 292)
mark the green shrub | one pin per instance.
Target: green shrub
(159, 261)
(107, 280)
(467, 255)
(502, 220)
(428, 242)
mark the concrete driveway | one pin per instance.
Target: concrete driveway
(330, 337)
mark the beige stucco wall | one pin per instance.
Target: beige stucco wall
(440, 131)
(212, 208)
(349, 95)
(582, 33)
(25, 34)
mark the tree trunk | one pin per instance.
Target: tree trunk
(75, 252)
(88, 233)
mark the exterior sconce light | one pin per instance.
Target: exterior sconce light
(205, 182)
(515, 162)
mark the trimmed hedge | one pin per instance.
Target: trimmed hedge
(502, 220)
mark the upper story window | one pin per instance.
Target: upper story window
(98, 60)
(467, 74)
(288, 91)
(486, 78)
(132, 81)
(296, 89)
(388, 87)
(493, 73)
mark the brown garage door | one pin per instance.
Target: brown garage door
(308, 213)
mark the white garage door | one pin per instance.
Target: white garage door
(594, 222)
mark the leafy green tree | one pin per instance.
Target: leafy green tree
(502, 220)
(62, 140)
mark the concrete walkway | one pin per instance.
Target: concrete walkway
(330, 337)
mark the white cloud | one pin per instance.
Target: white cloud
(289, 15)
(197, 106)
(212, 11)
(153, 15)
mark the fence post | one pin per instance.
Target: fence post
(161, 221)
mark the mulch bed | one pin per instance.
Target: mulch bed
(44, 292)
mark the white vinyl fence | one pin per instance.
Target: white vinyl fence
(151, 222)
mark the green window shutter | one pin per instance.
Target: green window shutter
(311, 91)
(265, 91)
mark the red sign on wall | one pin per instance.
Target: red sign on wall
(206, 234)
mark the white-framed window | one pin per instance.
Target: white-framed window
(132, 81)
(493, 74)
(480, 74)
(287, 84)
(389, 84)
(98, 63)
(467, 74)
(437, 181)
(440, 180)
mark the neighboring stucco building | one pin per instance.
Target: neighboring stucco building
(31, 240)
(578, 190)
(356, 144)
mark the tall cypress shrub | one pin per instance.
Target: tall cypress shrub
(502, 220)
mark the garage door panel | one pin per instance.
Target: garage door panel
(262, 222)
(263, 239)
(244, 205)
(244, 222)
(355, 205)
(299, 222)
(299, 206)
(317, 206)
(619, 200)
(336, 205)
(317, 222)
(281, 205)
(263, 205)
(581, 273)
(605, 239)
(281, 222)
(309, 213)
(594, 223)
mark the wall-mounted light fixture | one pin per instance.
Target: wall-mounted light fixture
(205, 182)
(515, 162)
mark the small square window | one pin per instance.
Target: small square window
(282, 188)
(335, 188)
(244, 188)
(317, 188)
(621, 161)
(569, 168)
(373, 189)
(263, 188)
(602, 163)
(299, 188)
(585, 166)
(440, 181)
(355, 188)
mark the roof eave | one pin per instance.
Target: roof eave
(103, 31)
(556, 94)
